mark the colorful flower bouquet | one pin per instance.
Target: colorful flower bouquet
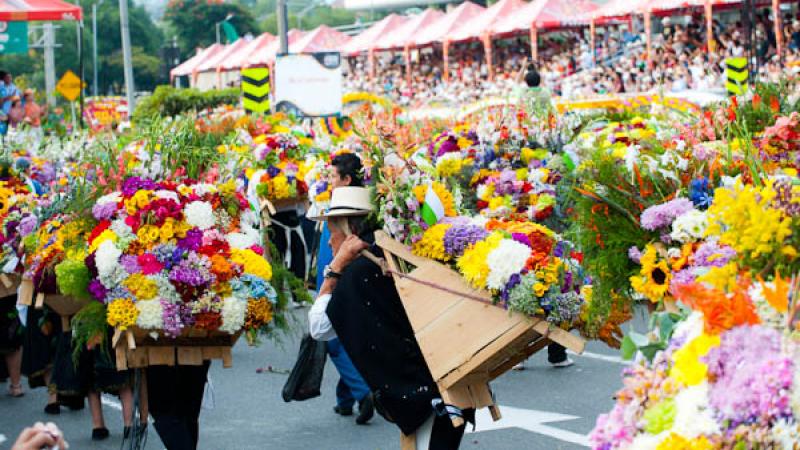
(168, 258)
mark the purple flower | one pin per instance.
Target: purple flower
(448, 145)
(458, 237)
(522, 238)
(28, 225)
(682, 277)
(97, 290)
(711, 254)
(104, 211)
(130, 264)
(192, 241)
(187, 275)
(273, 171)
(512, 282)
(176, 317)
(753, 377)
(133, 184)
(663, 215)
(634, 254)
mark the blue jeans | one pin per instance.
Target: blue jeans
(351, 386)
(324, 254)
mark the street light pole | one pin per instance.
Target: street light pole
(94, 49)
(283, 25)
(127, 57)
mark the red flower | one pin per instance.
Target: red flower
(102, 226)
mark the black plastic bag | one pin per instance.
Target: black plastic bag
(306, 378)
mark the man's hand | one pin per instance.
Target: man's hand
(41, 436)
(347, 253)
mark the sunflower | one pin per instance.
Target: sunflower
(654, 277)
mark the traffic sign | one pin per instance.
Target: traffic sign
(70, 86)
(255, 89)
(13, 37)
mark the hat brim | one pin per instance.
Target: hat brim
(344, 212)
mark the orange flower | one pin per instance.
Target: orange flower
(721, 311)
(778, 297)
(221, 268)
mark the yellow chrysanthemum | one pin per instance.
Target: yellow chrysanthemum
(252, 263)
(677, 442)
(448, 167)
(743, 218)
(687, 367)
(431, 245)
(722, 278)
(472, 263)
(141, 287)
(148, 234)
(122, 313)
(106, 235)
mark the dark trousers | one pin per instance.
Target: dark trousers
(351, 386)
(556, 353)
(175, 394)
(444, 435)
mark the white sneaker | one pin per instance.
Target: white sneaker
(520, 366)
(565, 363)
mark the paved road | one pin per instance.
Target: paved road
(546, 408)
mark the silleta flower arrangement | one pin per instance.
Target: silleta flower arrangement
(166, 257)
(279, 154)
(17, 219)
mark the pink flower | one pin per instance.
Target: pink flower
(149, 264)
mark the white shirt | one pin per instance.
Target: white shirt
(319, 325)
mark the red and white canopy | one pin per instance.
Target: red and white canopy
(215, 61)
(486, 22)
(323, 38)
(189, 66)
(42, 10)
(405, 34)
(547, 14)
(366, 39)
(447, 24)
(267, 56)
(239, 59)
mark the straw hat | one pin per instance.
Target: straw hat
(347, 201)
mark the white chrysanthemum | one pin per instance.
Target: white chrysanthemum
(199, 214)
(167, 195)
(482, 192)
(151, 315)
(646, 441)
(507, 259)
(107, 257)
(693, 414)
(166, 290)
(113, 197)
(785, 434)
(537, 176)
(689, 226)
(233, 312)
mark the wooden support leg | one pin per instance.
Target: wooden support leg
(408, 441)
(457, 421)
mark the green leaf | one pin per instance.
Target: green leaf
(628, 348)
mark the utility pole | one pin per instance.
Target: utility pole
(283, 25)
(49, 63)
(94, 50)
(127, 58)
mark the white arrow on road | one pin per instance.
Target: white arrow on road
(529, 419)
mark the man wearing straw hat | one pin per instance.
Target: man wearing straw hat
(359, 304)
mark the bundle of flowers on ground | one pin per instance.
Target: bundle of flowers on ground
(167, 257)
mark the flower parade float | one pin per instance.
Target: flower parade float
(708, 214)
(481, 293)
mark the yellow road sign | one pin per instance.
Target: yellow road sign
(70, 86)
(255, 89)
(737, 75)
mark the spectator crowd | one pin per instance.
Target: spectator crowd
(681, 60)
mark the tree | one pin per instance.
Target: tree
(194, 21)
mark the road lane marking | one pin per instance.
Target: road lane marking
(601, 357)
(531, 420)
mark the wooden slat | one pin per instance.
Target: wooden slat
(397, 248)
(161, 356)
(212, 352)
(122, 358)
(25, 296)
(512, 361)
(190, 356)
(227, 359)
(39, 301)
(457, 397)
(138, 357)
